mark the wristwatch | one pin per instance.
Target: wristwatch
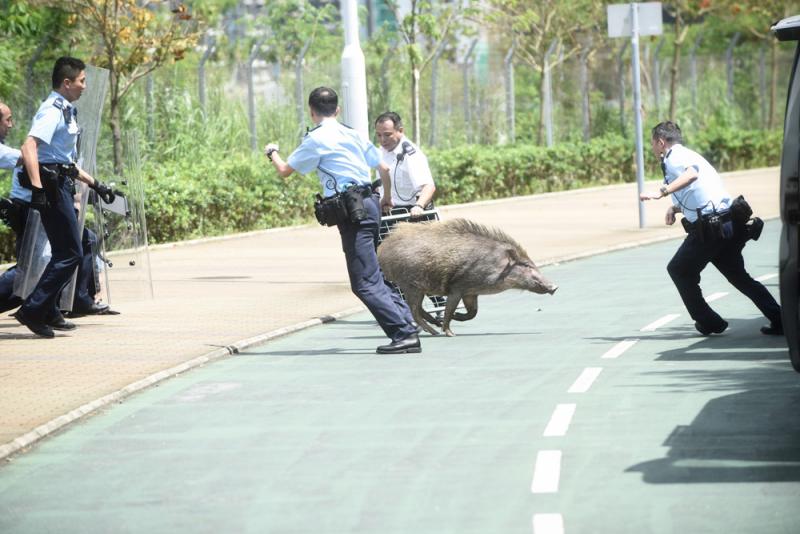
(664, 191)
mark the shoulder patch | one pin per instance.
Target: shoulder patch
(58, 103)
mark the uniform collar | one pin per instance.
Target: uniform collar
(327, 120)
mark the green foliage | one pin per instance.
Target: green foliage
(292, 23)
(470, 173)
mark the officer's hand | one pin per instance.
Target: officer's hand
(104, 192)
(38, 198)
(269, 149)
(416, 211)
(644, 197)
(670, 217)
(386, 203)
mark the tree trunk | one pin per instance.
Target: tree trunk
(542, 89)
(675, 69)
(773, 93)
(116, 127)
(415, 101)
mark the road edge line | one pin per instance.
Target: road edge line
(33, 436)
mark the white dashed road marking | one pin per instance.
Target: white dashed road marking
(660, 322)
(560, 420)
(548, 524)
(715, 296)
(584, 382)
(547, 472)
(619, 348)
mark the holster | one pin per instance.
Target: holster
(740, 211)
(347, 205)
(329, 211)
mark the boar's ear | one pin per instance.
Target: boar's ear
(515, 258)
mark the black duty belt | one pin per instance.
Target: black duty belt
(66, 170)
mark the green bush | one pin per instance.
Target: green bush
(207, 196)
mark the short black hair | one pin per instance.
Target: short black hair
(668, 131)
(323, 101)
(390, 116)
(66, 68)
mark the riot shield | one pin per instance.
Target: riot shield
(122, 233)
(90, 112)
(34, 255)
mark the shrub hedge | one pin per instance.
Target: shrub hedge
(209, 196)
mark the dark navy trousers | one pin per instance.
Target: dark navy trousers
(366, 278)
(61, 226)
(726, 255)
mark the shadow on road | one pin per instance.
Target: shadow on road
(752, 435)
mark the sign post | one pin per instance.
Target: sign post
(633, 20)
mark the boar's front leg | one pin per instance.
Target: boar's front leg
(414, 298)
(452, 304)
(471, 303)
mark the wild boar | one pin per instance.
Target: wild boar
(457, 258)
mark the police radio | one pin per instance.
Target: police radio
(407, 149)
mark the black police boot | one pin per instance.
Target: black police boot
(59, 323)
(707, 331)
(401, 346)
(754, 228)
(772, 329)
(40, 329)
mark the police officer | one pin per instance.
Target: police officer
(713, 234)
(412, 183)
(342, 158)
(9, 159)
(49, 155)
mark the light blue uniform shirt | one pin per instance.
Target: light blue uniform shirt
(706, 192)
(56, 126)
(8, 160)
(17, 191)
(8, 156)
(340, 155)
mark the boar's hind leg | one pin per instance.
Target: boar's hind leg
(414, 298)
(471, 303)
(452, 304)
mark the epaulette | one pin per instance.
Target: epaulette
(308, 131)
(58, 103)
(346, 126)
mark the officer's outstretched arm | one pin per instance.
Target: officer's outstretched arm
(283, 168)
(85, 177)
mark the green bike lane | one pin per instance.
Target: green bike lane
(544, 414)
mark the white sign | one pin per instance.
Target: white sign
(619, 19)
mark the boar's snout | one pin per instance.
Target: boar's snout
(552, 288)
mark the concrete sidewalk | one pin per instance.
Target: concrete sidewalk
(214, 297)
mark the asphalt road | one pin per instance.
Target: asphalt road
(598, 409)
